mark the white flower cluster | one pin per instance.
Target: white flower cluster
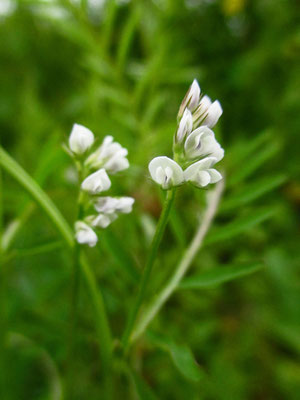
(195, 146)
(108, 158)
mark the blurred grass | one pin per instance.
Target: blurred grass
(121, 68)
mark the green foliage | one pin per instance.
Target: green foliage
(122, 68)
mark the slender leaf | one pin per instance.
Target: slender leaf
(13, 168)
(248, 166)
(252, 191)
(181, 356)
(239, 225)
(220, 275)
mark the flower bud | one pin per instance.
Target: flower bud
(166, 172)
(97, 182)
(185, 126)
(201, 173)
(81, 139)
(202, 142)
(213, 114)
(191, 99)
(84, 234)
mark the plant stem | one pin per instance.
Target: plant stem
(148, 268)
(188, 257)
(43, 200)
(2, 298)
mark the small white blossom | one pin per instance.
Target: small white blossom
(81, 139)
(110, 205)
(185, 126)
(166, 172)
(202, 142)
(84, 234)
(201, 173)
(191, 99)
(101, 220)
(97, 182)
(207, 113)
(110, 156)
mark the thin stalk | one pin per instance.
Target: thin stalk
(154, 307)
(2, 297)
(148, 268)
(43, 200)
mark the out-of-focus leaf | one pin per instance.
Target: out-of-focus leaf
(127, 36)
(249, 165)
(239, 225)
(252, 191)
(181, 356)
(143, 389)
(220, 275)
(120, 255)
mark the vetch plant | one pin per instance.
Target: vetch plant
(95, 211)
(195, 153)
(108, 158)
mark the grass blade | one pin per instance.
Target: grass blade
(217, 276)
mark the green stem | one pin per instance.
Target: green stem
(43, 200)
(2, 298)
(148, 268)
(154, 307)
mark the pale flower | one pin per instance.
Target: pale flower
(166, 172)
(207, 113)
(185, 126)
(110, 205)
(202, 142)
(101, 220)
(191, 99)
(201, 173)
(81, 139)
(84, 234)
(97, 182)
(110, 156)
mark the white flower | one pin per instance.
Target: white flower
(207, 113)
(96, 182)
(101, 220)
(191, 99)
(84, 234)
(166, 172)
(81, 139)
(110, 205)
(185, 126)
(201, 173)
(202, 142)
(110, 155)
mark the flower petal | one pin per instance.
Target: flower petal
(84, 234)
(166, 172)
(96, 182)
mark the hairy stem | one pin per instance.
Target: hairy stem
(148, 268)
(151, 311)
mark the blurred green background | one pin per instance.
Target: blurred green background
(122, 68)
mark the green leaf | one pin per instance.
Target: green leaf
(143, 389)
(249, 165)
(181, 355)
(25, 180)
(252, 191)
(127, 36)
(220, 275)
(120, 255)
(239, 225)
